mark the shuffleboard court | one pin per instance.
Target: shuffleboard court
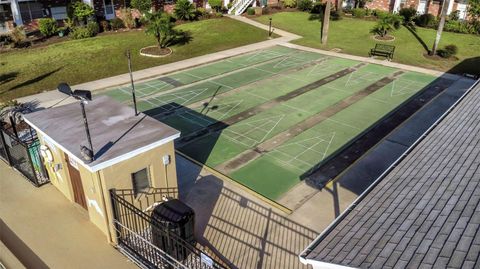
(268, 118)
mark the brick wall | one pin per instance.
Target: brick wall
(379, 4)
(434, 8)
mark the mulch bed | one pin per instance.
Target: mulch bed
(155, 51)
(384, 38)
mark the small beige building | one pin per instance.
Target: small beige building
(130, 152)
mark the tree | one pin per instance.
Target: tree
(387, 23)
(326, 22)
(160, 26)
(184, 10)
(82, 11)
(441, 24)
(474, 9)
(143, 6)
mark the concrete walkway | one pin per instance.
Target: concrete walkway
(45, 230)
(54, 98)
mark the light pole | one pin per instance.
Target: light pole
(83, 96)
(270, 27)
(131, 81)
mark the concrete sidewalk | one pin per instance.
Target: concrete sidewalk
(54, 98)
(45, 230)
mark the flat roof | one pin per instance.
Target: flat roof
(425, 213)
(117, 134)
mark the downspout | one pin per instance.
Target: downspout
(104, 207)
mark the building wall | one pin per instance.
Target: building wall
(96, 185)
(61, 178)
(119, 176)
(434, 8)
(379, 4)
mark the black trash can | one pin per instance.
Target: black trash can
(177, 218)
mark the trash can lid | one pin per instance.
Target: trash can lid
(173, 211)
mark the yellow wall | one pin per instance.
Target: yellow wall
(116, 176)
(61, 178)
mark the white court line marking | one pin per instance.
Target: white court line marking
(223, 115)
(253, 127)
(297, 158)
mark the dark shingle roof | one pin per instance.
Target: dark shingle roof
(425, 212)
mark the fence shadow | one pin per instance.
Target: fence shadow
(242, 232)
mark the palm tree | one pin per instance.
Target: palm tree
(160, 25)
(326, 22)
(443, 16)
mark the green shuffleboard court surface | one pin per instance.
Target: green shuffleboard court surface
(267, 118)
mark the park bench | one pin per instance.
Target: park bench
(383, 50)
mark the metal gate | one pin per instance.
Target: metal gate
(21, 150)
(136, 229)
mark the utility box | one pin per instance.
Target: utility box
(170, 220)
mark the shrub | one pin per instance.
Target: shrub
(127, 18)
(93, 28)
(335, 15)
(454, 15)
(359, 12)
(104, 25)
(19, 37)
(318, 8)
(460, 27)
(387, 24)
(143, 6)
(216, 4)
(305, 5)
(47, 26)
(425, 20)
(82, 11)
(250, 11)
(448, 51)
(116, 23)
(379, 13)
(408, 13)
(202, 13)
(290, 3)
(184, 10)
(90, 30)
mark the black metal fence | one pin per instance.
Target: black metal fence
(20, 148)
(137, 231)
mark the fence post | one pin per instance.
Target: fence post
(4, 144)
(35, 179)
(115, 213)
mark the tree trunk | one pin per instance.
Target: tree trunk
(326, 22)
(443, 16)
(339, 6)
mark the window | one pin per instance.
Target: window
(140, 181)
(59, 13)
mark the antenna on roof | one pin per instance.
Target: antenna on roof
(131, 81)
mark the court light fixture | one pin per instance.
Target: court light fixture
(83, 96)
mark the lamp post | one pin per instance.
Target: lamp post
(131, 81)
(83, 96)
(270, 27)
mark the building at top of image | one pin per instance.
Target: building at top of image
(27, 12)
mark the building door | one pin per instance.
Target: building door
(422, 7)
(78, 194)
(109, 9)
(462, 11)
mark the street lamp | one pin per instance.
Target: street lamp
(83, 96)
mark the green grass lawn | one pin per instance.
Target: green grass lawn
(353, 36)
(29, 71)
